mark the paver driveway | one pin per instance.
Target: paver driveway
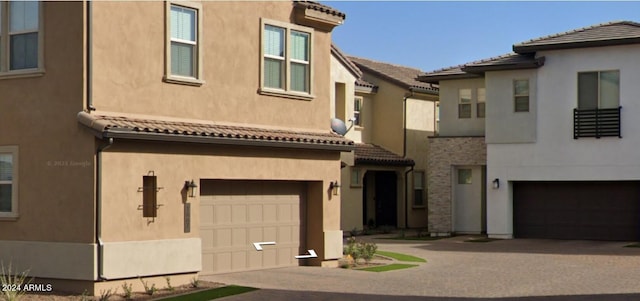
(507, 268)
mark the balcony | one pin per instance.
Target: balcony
(596, 123)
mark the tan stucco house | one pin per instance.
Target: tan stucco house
(389, 115)
(166, 138)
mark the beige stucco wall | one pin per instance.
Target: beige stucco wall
(383, 123)
(125, 163)
(444, 154)
(130, 78)
(340, 74)
(56, 163)
(420, 126)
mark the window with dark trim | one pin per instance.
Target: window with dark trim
(598, 111)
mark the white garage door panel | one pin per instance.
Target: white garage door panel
(235, 214)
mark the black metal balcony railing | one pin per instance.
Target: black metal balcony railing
(596, 123)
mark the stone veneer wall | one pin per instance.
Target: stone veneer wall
(445, 152)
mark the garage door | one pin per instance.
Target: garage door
(235, 214)
(577, 210)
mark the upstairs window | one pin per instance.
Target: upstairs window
(464, 103)
(184, 55)
(521, 95)
(480, 106)
(20, 36)
(286, 58)
(8, 181)
(599, 90)
(357, 108)
(598, 111)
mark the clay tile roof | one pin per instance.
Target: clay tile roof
(363, 83)
(400, 75)
(208, 132)
(605, 34)
(321, 8)
(371, 154)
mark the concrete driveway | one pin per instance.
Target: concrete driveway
(540, 269)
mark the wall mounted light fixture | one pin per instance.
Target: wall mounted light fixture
(334, 187)
(190, 187)
(496, 183)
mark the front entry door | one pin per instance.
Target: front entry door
(468, 199)
(386, 193)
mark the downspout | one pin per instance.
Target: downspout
(404, 155)
(99, 206)
(89, 66)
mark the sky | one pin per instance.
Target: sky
(430, 35)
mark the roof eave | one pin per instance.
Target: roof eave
(146, 136)
(367, 90)
(435, 79)
(423, 90)
(353, 69)
(523, 49)
(537, 63)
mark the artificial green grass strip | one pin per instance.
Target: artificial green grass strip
(214, 293)
(400, 257)
(633, 245)
(390, 267)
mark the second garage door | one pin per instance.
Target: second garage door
(235, 214)
(577, 210)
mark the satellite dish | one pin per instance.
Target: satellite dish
(338, 126)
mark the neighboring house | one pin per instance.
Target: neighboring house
(561, 159)
(153, 139)
(390, 116)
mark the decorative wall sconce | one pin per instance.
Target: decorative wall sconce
(190, 187)
(496, 183)
(334, 187)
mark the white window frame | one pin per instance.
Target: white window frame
(5, 47)
(462, 103)
(481, 101)
(357, 114)
(286, 91)
(13, 151)
(421, 187)
(516, 95)
(198, 79)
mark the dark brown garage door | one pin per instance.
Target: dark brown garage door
(577, 210)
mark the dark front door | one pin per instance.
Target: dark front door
(577, 210)
(386, 192)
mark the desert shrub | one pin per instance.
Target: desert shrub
(12, 283)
